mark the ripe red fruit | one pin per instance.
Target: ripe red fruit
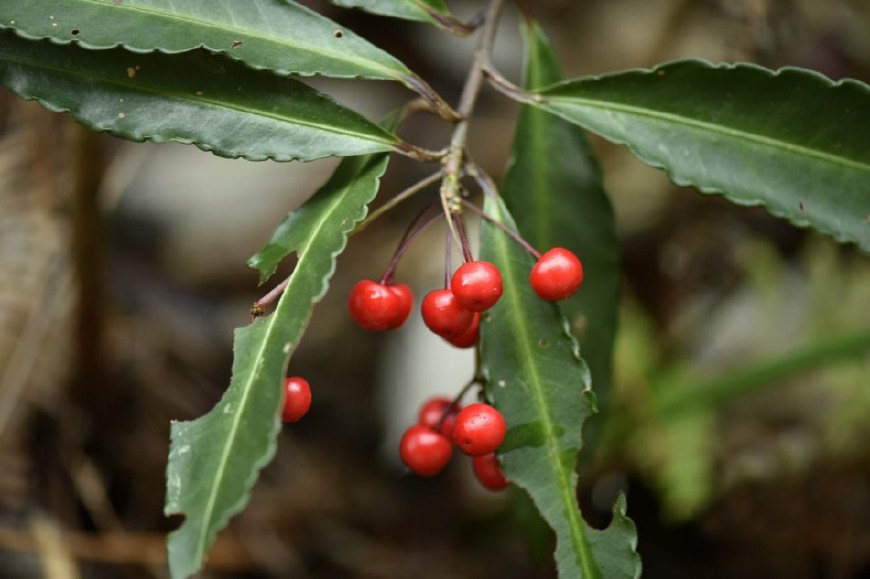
(443, 314)
(477, 285)
(376, 306)
(436, 409)
(406, 302)
(297, 399)
(479, 430)
(424, 451)
(557, 275)
(488, 472)
(469, 338)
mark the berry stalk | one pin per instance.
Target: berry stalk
(412, 233)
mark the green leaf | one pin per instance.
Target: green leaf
(278, 35)
(195, 97)
(349, 179)
(554, 188)
(215, 459)
(789, 140)
(538, 381)
(434, 11)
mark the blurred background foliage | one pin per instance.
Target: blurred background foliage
(739, 425)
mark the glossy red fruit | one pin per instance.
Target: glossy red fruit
(424, 451)
(477, 285)
(406, 302)
(443, 314)
(297, 399)
(557, 275)
(488, 472)
(470, 337)
(376, 306)
(479, 430)
(439, 414)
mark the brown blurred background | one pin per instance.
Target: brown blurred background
(122, 276)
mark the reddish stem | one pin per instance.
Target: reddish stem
(448, 259)
(412, 233)
(455, 403)
(260, 305)
(513, 234)
(463, 237)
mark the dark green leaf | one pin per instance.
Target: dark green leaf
(434, 11)
(790, 140)
(215, 459)
(537, 379)
(278, 35)
(195, 97)
(554, 188)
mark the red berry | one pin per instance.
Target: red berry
(406, 302)
(297, 399)
(424, 451)
(488, 472)
(443, 314)
(479, 430)
(477, 285)
(557, 275)
(469, 338)
(376, 306)
(439, 411)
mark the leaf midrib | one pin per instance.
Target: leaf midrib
(145, 87)
(303, 254)
(337, 55)
(527, 361)
(611, 106)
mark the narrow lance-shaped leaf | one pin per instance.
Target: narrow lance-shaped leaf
(278, 35)
(434, 11)
(554, 188)
(197, 98)
(538, 381)
(215, 459)
(790, 140)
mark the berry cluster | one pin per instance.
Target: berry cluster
(454, 312)
(477, 430)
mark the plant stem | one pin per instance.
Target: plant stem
(410, 235)
(396, 199)
(507, 88)
(510, 232)
(448, 259)
(258, 309)
(454, 160)
(463, 237)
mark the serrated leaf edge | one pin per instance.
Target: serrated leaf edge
(271, 320)
(678, 179)
(281, 71)
(159, 138)
(565, 477)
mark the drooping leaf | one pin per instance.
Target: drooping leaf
(195, 97)
(538, 381)
(278, 35)
(790, 140)
(434, 11)
(554, 188)
(215, 459)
